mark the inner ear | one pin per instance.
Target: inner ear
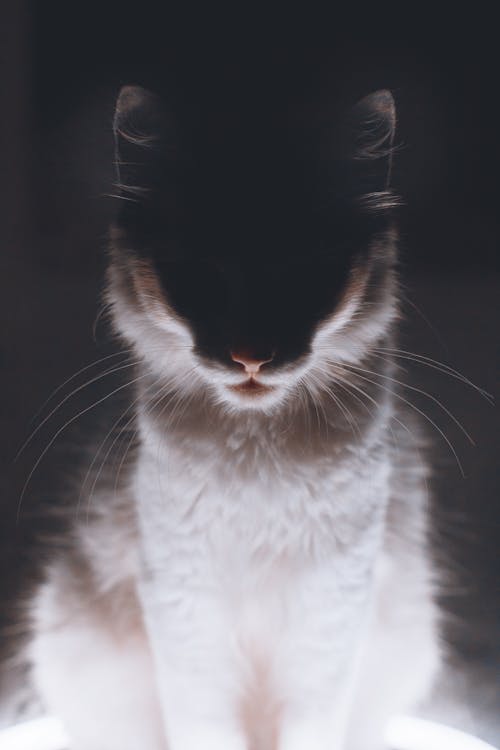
(368, 142)
(144, 140)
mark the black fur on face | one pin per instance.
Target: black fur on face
(253, 227)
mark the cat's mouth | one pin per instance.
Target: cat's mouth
(251, 387)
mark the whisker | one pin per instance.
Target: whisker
(95, 379)
(104, 310)
(347, 414)
(124, 458)
(426, 320)
(423, 393)
(61, 429)
(179, 396)
(75, 375)
(67, 397)
(436, 365)
(119, 197)
(134, 435)
(313, 400)
(101, 446)
(419, 411)
(304, 405)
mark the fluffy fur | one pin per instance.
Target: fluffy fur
(258, 576)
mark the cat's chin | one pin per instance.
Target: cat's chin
(252, 388)
(252, 395)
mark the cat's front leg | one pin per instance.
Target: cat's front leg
(319, 660)
(196, 667)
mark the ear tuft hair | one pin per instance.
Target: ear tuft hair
(144, 141)
(139, 116)
(374, 125)
(369, 146)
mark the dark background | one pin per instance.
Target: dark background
(62, 66)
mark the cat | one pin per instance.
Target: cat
(257, 575)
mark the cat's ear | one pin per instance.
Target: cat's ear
(144, 140)
(369, 139)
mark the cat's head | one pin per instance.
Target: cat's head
(246, 261)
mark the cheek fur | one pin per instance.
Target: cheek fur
(365, 314)
(141, 316)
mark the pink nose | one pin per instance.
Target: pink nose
(251, 363)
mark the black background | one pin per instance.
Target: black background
(63, 66)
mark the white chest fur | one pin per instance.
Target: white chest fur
(245, 526)
(247, 499)
(254, 553)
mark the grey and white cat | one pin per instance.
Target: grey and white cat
(258, 577)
